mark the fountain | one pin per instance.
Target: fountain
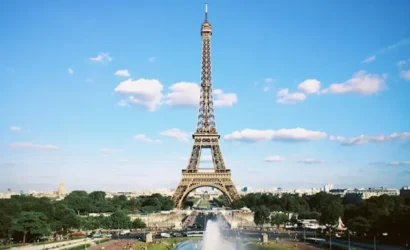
(212, 239)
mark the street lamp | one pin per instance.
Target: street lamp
(304, 233)
(348, 237)
(330, 238)
(374, 240)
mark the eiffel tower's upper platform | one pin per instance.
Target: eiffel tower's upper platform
(206, 26)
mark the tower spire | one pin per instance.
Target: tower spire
(206, 12)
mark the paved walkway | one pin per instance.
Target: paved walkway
(58, 245)
(114, 245)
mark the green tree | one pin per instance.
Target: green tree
(133, 205)
(309, 215)
(278, 219)
(98, 203)
(261, 215)
(30, 222)
(319, 201)
(65, 218)
(238, 204)
(359, 225)
(92, 223)
(187, 203)
(138, 223)
(119, 202)
(79, 201)
(331, 213)
(9, 209)
(221, 201)
(120, 219)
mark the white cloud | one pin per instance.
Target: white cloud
(310, 161)
(187, 94)
(387, 49)
(284, 97)
(109, 150)
(369, 59)
(144, 138)
(268, 80)
(122, 72)
(405, 74)
(175, 133)
(295, 134)
(365, 139)
(402, 63)
(143, 92)
(393, 163)
(309, 86)
(399, 163)
(361, 83)
(89, 80)
(400, 43)
(274, 158)
(222, 99)
(183, 94)
(152, 59)
(266, 89)
(15, 128)
(70, 71)
(101, 57)
(123, 103)
(29, 145)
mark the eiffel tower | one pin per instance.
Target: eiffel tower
(205, 136)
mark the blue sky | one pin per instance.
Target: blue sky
(102, 96)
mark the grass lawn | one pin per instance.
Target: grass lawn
(163, 244)
(270, 246)
(168, 244)
(203, 203)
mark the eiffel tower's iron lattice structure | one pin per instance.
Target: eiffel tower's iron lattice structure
(205, 136)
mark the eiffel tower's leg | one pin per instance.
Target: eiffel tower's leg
(194, 159)
(233, 193)
(217, 157)
(179, 194)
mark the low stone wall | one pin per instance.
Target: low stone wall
(239, 219)
(161, 220)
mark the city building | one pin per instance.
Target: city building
(364, 193)
(405, 191)
(62, 191)
(327, 188)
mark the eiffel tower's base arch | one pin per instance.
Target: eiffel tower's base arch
(192, 181)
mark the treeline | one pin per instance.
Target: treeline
(27, 218)
(96, 202)
(375, 216)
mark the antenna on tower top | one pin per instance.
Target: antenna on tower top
(206, 12)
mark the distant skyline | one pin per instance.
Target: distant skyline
(104, 96)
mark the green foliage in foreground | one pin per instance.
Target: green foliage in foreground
(365, 218)
(27, 219)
